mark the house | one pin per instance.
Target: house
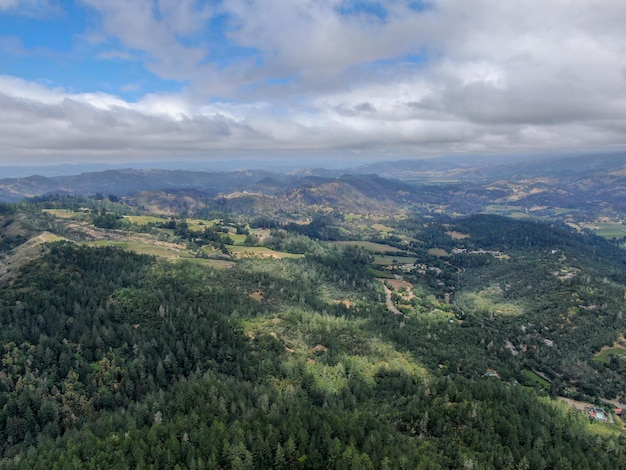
(491, 373)
(597, 413)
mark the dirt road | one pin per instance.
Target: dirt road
(392, 308)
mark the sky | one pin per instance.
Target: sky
(155, 80)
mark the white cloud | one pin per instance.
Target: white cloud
(7, 4)
(19, 89)
(155, 30)
(482, 76)
(41, 121)
(34, 8)
(315, 42)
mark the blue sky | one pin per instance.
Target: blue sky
(63, 45)
(124, 80)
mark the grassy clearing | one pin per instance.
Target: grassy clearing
(510, 211)
(144, 219)
(303, 333)
(212, 263)
(260, 232)
(370, 246)
(489, 302)
(169, 252)
(379, 274)
(48, 237)
(389, 260)
(457, 235)
(608, 230)
(169, 231)
(198, 225)
(162, 251)
(259, 251)
(66, 214)
(604, 355)
(438, 252)
(533, 379)
(237, 239)
(382, 228)
(381, 357)
(352, 217)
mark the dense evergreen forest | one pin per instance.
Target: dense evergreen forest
(116, 359)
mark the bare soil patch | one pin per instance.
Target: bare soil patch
(457, 235)
(257, 295)
(438, 252)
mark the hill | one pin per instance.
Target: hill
(126, 181)
(250, 341)
(314, 320)
(581, 191)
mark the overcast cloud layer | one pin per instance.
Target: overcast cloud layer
(388, 79)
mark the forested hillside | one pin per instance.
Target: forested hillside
(338, 342)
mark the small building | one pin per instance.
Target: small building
(491, 373)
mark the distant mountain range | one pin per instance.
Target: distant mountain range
(126, 181)
(484, 169)
(538, 186)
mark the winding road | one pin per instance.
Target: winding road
(392, 308)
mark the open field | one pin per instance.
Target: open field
(168, 251)
(390, 260)
(162, 250)
(65, 213)
(213, 263)
(259, 251)
(144, 219)
(502, 209)
(198, 225)
(490, 301)
(352, 217)
(382, 228)
(607, 230)
(605, 353)
(438, 252)
(370, 246)
(237, 239)
(457, 235)
(535, 379)
(47, 237)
